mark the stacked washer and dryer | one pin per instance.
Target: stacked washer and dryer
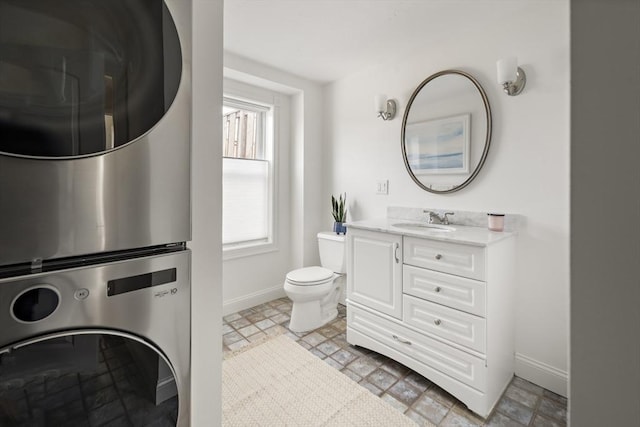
(95, 212)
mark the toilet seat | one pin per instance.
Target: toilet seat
(310, 276)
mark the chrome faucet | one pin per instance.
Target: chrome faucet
(435, 218)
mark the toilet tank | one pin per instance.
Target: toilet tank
(332, 251)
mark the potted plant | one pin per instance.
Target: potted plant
(339, 206)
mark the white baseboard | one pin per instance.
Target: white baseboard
(247, 301)
(544, 375)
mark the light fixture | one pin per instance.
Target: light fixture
(510, 76)
(386, 108)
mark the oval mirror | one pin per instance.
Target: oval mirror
(446, 131)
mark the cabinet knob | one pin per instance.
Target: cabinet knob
(438, 256)
(438, 289)
(437, 322)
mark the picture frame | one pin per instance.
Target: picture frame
(439, 146)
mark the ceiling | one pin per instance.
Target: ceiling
(325, 40)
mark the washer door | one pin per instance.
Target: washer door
(86, 378)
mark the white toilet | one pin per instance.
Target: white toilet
(315, 291)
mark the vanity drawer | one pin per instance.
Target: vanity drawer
(457, 364)
(453, 291)
(453, 325)
(461, 260)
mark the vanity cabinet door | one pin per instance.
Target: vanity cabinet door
(374, 270)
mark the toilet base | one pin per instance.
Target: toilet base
(310, 309)
(306, 316)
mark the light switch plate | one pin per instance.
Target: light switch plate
(382, 187)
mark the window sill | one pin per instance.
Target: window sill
(250, 249)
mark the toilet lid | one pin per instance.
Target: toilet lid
(309, 275)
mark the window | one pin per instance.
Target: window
(247, 180)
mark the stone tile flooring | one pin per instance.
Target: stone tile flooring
(523, 403)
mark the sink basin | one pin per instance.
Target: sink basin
(418, 226)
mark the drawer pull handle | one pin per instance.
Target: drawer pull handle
(438, 289)
(397, 338)
(438, 256)
(437, 322)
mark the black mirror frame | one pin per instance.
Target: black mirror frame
(487, 143)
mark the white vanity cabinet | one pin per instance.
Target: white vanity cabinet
(443, 307)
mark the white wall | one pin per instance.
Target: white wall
(252, 280)
(605, 205)
(206, 306)
(527, 170)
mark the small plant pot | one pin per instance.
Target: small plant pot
(339, 228)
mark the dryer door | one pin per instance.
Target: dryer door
(80, 77)
(90, 378)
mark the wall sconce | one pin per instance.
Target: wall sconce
(386, 108)
(510, 76)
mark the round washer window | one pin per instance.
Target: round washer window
(95, 379)
(80, 77)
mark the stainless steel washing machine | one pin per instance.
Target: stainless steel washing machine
(95, 116)
(97, 344)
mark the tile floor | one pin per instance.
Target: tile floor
(523, 403)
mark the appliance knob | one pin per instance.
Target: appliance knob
(81, 294)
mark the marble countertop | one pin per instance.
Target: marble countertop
(478, 236)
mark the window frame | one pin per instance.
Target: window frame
(256, 100)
